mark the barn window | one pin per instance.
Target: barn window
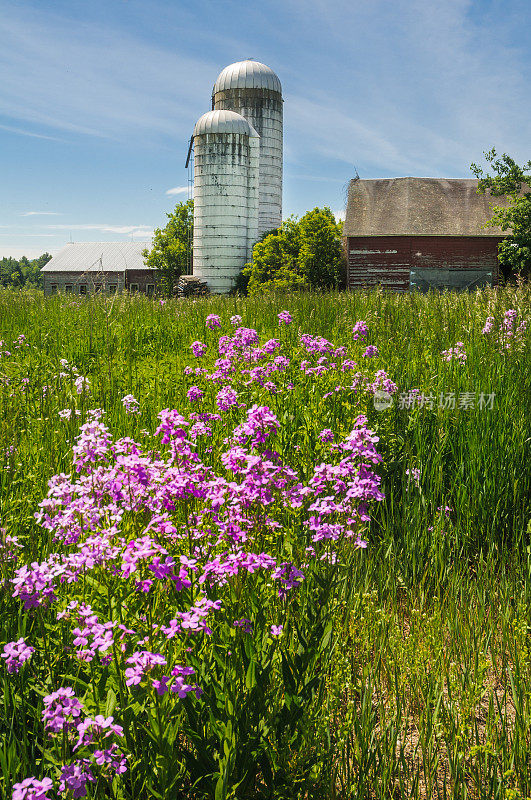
(83, 289)
(68, 287)
(150, 288)
(53, 288)
(133, 287)
(112, 288)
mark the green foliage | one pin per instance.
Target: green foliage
(301, 254)
(23, 272)
(515, 182)
(171, 252)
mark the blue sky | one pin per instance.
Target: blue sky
(98, 100)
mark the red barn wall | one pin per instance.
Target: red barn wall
(388, 260)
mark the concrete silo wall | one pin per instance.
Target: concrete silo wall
(263, 109)
(225, 206)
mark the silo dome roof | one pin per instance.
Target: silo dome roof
(223, 122)
(248, 74)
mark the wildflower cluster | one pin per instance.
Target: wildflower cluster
(510, 335)
(205, 538)
(455, 353)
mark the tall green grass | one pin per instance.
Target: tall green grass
(429, 694)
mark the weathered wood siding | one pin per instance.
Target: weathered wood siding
(402, 262)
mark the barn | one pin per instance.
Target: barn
(420, 233)
(89, 267)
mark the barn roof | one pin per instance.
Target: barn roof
(419, 207)
(98, 256)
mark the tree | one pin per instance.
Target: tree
(321, 255)
(34, 275)
(514, 252)
(301, 254)
(171, 252)
(24, 272)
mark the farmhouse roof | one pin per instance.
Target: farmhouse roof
(419, 207)
(98, 257)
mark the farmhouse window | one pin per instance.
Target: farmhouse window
(150, 288)
(83, 289)
(112, 288)
(134, 287)
(68, 287)
(53, 288)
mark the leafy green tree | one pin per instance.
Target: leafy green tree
(33, 275)
(509, 179)
(171, 252)
(321, 254)
(301, 254)
(23, 272)
(274, 264)
(7, 267)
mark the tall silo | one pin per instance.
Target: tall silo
(253, 90)
(226, 163)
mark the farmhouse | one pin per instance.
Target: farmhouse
(89, 267)
(420, 233)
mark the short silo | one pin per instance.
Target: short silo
(226, 167)
(253, 90)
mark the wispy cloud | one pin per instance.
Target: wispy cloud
(97, 80)
(41, 214)
(23, 132)
(414, 87)
(6, 251)
(427, 88)
(141, 230)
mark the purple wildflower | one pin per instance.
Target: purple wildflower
(141, 662)
(198, 349)
(61, 710)
(414, 475)
(289, 576)
(489, 323)
(456, 353)
(131, 404)
(100, 726)
(195, 393)
(260, 424)
(16, 653)
(360, 330)
(245, 624)
(32, 789)
(284, 318)
(213, 321)
(82, 385)
(74, 778)
(226, 398)
(180, 687)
